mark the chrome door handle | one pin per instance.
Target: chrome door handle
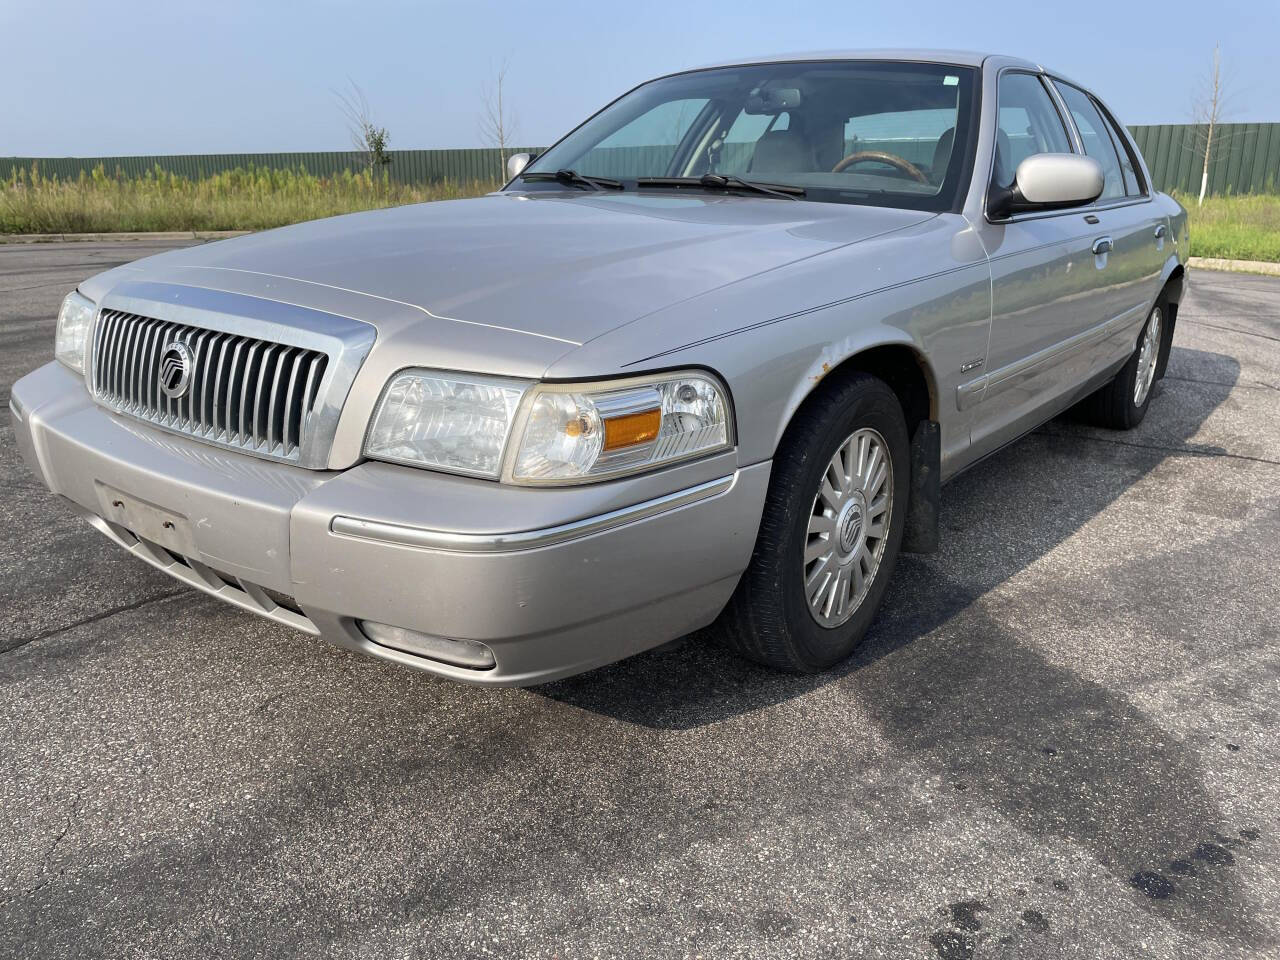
(1161, 231)
(1102, 245)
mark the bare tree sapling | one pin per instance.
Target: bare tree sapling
(1207, 112)
(497, 122)
(368, 139)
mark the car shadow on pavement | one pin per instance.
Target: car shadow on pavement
(998, 519)
(464, 797)
(948, 679)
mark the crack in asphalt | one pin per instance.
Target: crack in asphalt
(1250, 385)
(1164, 448)
(42, 873)
(1218, 326)
(53, 847)
(34, 286)
(1220, 315)
(20, 642)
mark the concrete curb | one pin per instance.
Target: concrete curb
(1238, 266)
(100, 237)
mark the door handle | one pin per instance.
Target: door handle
(1102, 245)
(1161, 231)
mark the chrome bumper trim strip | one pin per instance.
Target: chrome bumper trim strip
(407, 536)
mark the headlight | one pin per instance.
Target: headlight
(446, 421)
(75, 320)
(548, 433)
(578, 432)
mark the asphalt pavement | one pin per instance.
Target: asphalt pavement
(1059, 740)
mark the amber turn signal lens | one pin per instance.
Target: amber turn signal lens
(631, 429)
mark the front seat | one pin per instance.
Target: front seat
(782, 151)
(942, 155)
(1004, 158)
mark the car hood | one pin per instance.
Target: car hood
(558, 268)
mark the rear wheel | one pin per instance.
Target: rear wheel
(830, 533)
(1122, 403)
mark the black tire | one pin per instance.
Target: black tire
(768, 618)
(1114, 406)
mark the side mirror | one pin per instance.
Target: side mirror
(516, 164)
(1048, 181)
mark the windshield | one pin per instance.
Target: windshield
(884, 133)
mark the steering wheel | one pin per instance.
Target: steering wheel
(877, 156)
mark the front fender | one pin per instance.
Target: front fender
(775, 337)
(772, 368)
(835, 355)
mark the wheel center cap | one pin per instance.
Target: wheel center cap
(850, 522)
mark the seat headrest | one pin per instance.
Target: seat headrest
(782, 151)
(942, 154)
(1004, 157)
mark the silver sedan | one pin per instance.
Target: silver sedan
(707, 359)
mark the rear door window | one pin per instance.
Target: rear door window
(1096, 138)
(1128, 163)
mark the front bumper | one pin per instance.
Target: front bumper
(553, 581)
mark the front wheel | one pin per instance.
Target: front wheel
(830, 532)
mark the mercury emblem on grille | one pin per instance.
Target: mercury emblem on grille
(176, 361)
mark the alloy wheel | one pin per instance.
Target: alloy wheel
(1148, 359)
(848, 527)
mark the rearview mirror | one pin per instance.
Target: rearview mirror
(1048, 181)
(516, 164)
(771, 101)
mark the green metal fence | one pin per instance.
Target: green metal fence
(406, 166)
(1246, 159)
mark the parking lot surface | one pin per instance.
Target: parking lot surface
(1059, 740)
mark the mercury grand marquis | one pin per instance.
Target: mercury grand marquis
(707, 359)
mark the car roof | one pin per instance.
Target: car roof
(964, 58)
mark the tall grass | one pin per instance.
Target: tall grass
(252, 198)
(1240, 228)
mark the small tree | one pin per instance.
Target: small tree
(1207, 111)
(368, 139)
(497, 123)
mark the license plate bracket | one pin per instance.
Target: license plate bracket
(147, 520)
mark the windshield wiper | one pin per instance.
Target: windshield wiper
(722, 181)
(575, 178)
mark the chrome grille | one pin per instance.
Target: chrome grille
(251, 394)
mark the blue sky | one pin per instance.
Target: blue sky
(230, 76)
